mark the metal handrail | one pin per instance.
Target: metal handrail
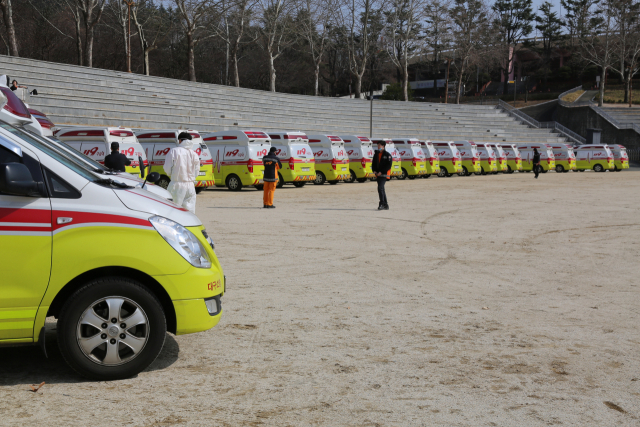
(530, 121)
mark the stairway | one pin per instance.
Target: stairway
(74, 95)
(625, 115)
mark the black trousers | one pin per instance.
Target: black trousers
(536, 169)
(382, 180)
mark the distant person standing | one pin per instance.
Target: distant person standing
(116, 160)
(380, 166)
(536, 162)
(182, 165)
(271, 166)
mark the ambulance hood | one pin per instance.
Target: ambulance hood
(141, 200)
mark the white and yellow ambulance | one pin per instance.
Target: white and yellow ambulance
(63, 247)
(594, 156)
(95, 142)
(547, 159)
(487, 158)
(431, 156)
(514, 161)
(294, 152)
(620, 157)
(390, 147)
(469, 156)
(331, 159)
(501, 157)
(565, 157)
(360, 151)
(450, 161)
(237, 157)
(158, 143)
(413, 160)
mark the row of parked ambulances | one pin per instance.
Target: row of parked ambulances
(233, 159)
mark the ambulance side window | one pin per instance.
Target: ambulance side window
(59, 188)
(33, 165)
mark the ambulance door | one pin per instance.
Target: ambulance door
(25, 249)
(217, 156)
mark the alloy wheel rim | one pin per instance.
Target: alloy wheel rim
(112, 331)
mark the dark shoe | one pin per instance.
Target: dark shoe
(272, 207)
(266, 206)
(380, 207)
(386, 207)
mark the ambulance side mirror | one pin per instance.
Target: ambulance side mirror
(16, 180)
(141, 163)
(152, 177)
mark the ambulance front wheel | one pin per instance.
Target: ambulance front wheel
(404, 174)
(443, 172)
(111, 328)
(280, 181)
(464, 172)
(320, 178)
(598, 168)
(234, 183)
(559, 168)
(352, 176)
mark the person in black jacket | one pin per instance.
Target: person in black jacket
(381, 165)
(116, 160)
(536, 162)
(271, 165)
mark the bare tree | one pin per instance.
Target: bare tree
(627, 53)
(470, 26)
(91, 11)
(598, 43)
(231, 30)
(276, 32)
(315, 20)
(438, 35)
(151, 27)
(120, 12)
(7, 14)
(404, 36)
(194, 14)
(358, 16)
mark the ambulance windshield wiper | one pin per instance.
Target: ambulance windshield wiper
(111, 182)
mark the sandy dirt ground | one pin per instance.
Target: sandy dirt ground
(480, 301)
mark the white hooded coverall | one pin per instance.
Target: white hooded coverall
(182, 165)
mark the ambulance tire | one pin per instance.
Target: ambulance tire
(135, 296)
(598, 168)
(411, 176)
(464, 172)
(280, 183)
(234, 183)
(333, 182)
(352, 176)
(299, 184)
(559, 168)
(361, 179)
(443, 172)
(482, 172)
(544, 170)
(509, 170)
(320, 178)
(199, 190)
(403, 175)
(163, 182)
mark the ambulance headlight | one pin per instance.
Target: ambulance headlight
(183, 241)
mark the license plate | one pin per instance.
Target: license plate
(305, 169)
(397, 167)
(202, 173)
(422, 166)
(344, 169)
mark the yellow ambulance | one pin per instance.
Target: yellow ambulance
(501, 157)
(413, 159)
(469, 155)
(487, 158)
(450, 160)
(564, 157)
(331, 159)
(64, 251)
(158, 143)
(514, 161)
(620, 157)
(431, 155)
(296, 156)
(95, 142)
(547, 159)
(360, 151)
(594, 156)
(237, 157)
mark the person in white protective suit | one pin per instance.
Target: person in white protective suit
(182, 165)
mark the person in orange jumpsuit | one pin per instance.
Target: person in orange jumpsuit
(271, 166)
